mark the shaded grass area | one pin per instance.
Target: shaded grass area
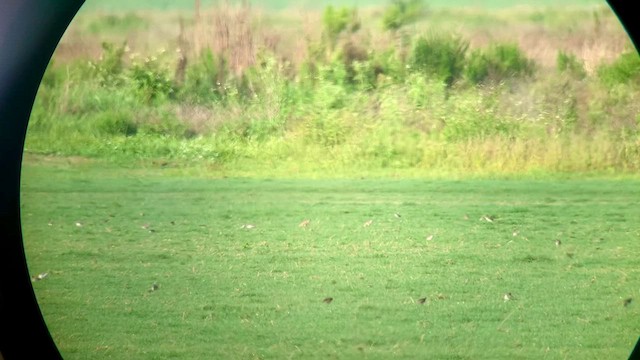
(105, 235)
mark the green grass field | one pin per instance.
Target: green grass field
(105, 235)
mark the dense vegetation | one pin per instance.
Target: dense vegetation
(391, 88)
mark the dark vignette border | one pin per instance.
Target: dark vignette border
(29, 33)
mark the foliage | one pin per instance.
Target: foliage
(115, 123)
(625, 70)
(497, 63)
(336, 21)
(367, 103)
(110, 67)
(441, 56)
(151, 80)
(569, 63)
(402, 12)
(206, 79)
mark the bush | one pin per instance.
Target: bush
(205, 79)
(109, 68)
(625, 70)
(164, 123)
(475, 116)
(115, 123)
(569, 63)
(497, 63)
(335, 21)
(401, 13)
(352, 56)
(151, 80)
(440, 56)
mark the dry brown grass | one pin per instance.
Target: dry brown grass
(242, 31)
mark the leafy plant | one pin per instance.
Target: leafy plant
(440, 56)
(569, 63)
(109, 68)
(497, 63)
(336, 21)
(115, 123)
(206, 79)
(402, 12)
(625, 70)
(151, 80)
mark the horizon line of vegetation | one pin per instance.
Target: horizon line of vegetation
(428, 102)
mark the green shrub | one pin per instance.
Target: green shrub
(474, 114)
(389, 64)
(108, 70)
(163, 122)
(569, 63)
(497, 63)
(115, 123)
(206, 79)
(402, 12)
(350, 54)
(328, 129)
(365, 75)
(625, 70)
(440, 56)
(151, 80)
(425, 93)
(335, 21)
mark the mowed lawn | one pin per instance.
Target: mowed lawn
(231, 291)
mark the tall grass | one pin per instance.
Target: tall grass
(227, 96)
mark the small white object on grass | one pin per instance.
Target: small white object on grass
(367, 223)
(507, 296)
(40, 276)
(304, 223)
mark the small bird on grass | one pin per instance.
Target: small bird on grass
(422, 300)
(627, 302)
(367, 223)
(507, 296)
(558, 242)
(304, 223)
(154, 287)
(397, 215)
(39, 277)
(327, 300)
(487, 218)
